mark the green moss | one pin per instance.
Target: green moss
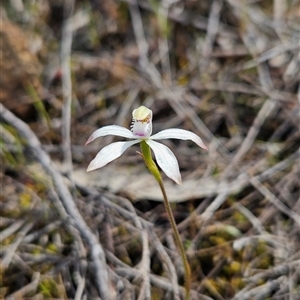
(25, 200)
(233, 268)
(52, 248)
(49, 288)
(217, 240)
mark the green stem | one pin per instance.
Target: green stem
(155, 172)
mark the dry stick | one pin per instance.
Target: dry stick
(71, 23)
(183, 110)
(265, 56)
(277, 271)
(8, 231)
(13, 247)
(29, 288)
(279, 14)
(264, 112)
(251, 217)
(248, 240)
(65, 217)
(80, 281)
(157, 281)
(163, 46)
(169, 265)
(285, 186)
(267, 108)
(22, 265)
(282, 165)
(233, 87)
(183, 17)
(271, 172)
(212, 30)
(36, 234)
(248, 35)
(145, 293)
(66, 44)
(274, 200)
(290, 76)
(19, 223)
(97, 253)
(206, 283)
(260, 292)
(142, 44)
(126, 108)
(127, 105)
(219, 200)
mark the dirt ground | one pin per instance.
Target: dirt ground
(227, 70)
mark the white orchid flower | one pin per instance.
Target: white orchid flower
(141, 130)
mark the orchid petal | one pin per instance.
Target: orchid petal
(181, 134)
(166, 160)
(109, 153)
(111, 130)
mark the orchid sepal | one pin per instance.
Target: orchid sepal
(166, 160)
(109, 153)
(110, 130)
(181, 134)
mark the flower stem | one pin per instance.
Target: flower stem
(155, 172)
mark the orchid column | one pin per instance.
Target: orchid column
(141, 130)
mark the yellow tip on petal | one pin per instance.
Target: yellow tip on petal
(142, 113)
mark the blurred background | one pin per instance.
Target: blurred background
(227, 70)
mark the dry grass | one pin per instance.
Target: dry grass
(227, 70)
